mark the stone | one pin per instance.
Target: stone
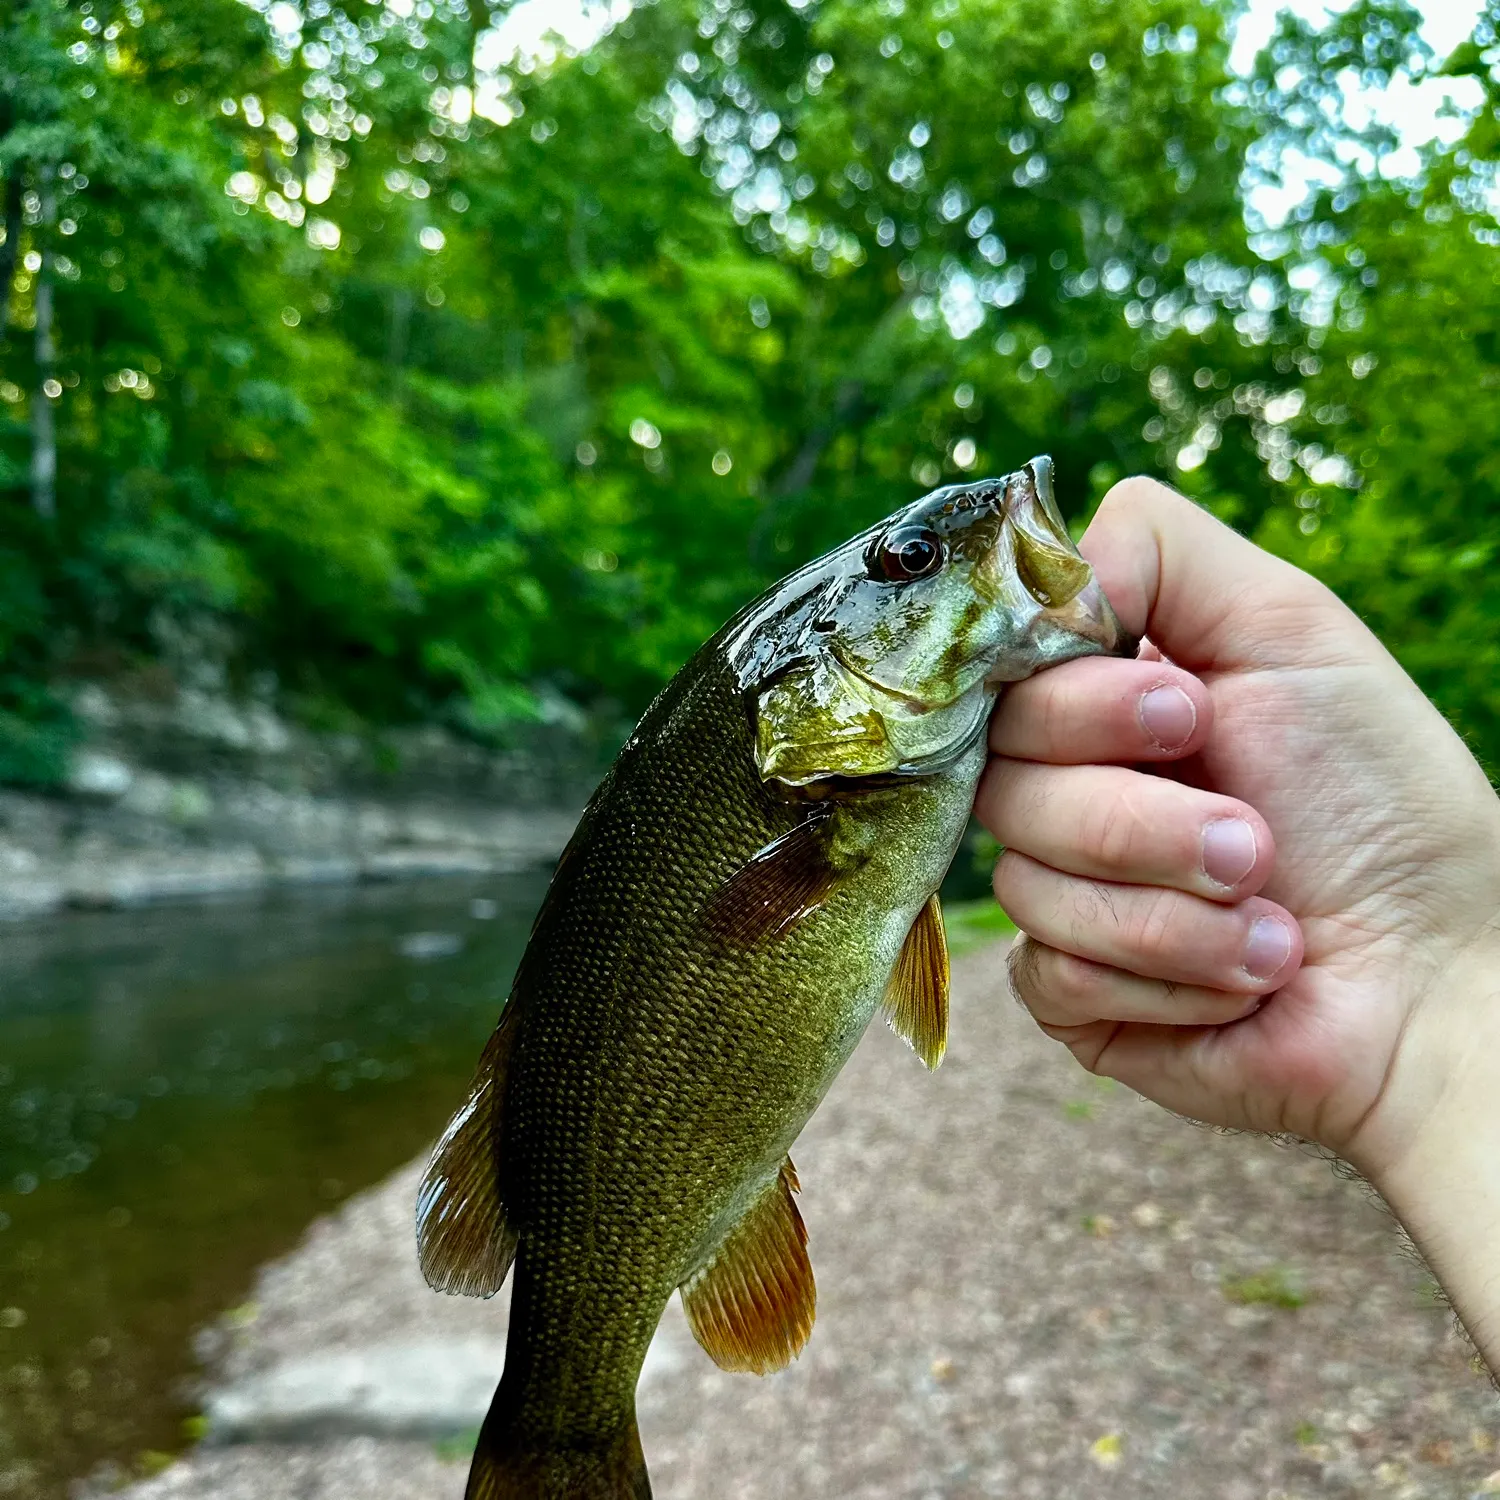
(95, 774)
(419, 1389)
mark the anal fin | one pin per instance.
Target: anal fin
(778, 886)
(752, 1306)
(464, 1244)
(917, 996)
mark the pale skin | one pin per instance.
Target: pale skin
(1258, 877)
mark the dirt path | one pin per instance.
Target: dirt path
(1030, 1285)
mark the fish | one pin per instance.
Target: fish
(754, 879)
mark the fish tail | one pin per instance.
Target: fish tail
(509, 1466)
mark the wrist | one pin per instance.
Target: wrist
(1431, 1146)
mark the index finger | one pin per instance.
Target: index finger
(1099, 710)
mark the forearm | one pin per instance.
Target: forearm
(1444, 1185)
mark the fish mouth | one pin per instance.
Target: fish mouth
(1066, 585)
(1024, 498)
(1039, 472)
(1029, 497)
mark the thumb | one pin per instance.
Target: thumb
(1207, 597)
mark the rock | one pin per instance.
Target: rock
(330, 871)
(23, 896)
(398, 864)
(188, 794)
(92, 704)
(189, 803)
(420, 1389)
(118, 879)
(94, 774)
(149, 796)
(208, 716)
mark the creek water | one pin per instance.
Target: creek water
(182, 1090)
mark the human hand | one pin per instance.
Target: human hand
(1258, 882)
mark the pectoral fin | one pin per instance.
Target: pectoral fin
(464, 1244)
(917, 996)
(791, 877)
(752, 1306)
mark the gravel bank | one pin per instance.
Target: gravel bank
(1030, 1286)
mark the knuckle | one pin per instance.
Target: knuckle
(1023, 965)
(1053, 715)
(1136, 490)
(1009, 880)
(1090, 1051)
(1075, 983)
(1113, 829)
(1086, 905)
(1153, 929)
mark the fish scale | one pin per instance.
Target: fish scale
(754, 876)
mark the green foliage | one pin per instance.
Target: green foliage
(446, 383)
(975, 924)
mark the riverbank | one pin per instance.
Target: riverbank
(60, 852)
(1030, 1285)
(192, 794)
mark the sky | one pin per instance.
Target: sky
(1448, 22)
(1414, 109)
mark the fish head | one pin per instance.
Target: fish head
(885, 656)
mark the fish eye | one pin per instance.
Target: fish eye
(908, 553)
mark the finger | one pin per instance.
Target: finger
(1206, 596)
(1251, 947)
(1244, 1073)
(1103, 709)
(1110, 823)
(1063, 992)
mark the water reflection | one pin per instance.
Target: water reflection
(181, 1091)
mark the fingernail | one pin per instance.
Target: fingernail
(1267, 948)
(1228, 850)
(1168, 716)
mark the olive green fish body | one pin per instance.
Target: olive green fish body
(754, 877)
(661, 1074)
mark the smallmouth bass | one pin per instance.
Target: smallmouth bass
(753, 879)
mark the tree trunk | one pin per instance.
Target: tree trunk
(43, 420)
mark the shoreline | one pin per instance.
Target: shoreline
(1029, 1284)
(58, 854)
(196, 795)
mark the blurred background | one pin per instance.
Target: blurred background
(414, 364)
(393, 395)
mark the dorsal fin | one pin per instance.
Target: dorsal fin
(917, 996)
(776, 887)
(464, 1244)
(752, 1306)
